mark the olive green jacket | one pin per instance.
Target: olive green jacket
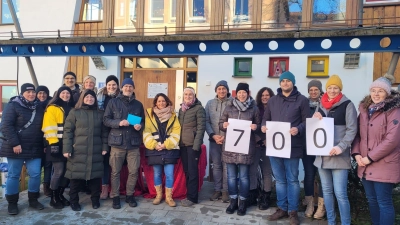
(193, 126)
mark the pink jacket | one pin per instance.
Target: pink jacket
(379, 139)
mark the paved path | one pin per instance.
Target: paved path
(204, 213)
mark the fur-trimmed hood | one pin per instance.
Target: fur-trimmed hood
(391, 102)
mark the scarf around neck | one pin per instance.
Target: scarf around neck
(186, 105)
(375, 107)
(328, 104)
(163, 114)
(30, 105)
(242, 106)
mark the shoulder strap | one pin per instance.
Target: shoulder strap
(29, 122)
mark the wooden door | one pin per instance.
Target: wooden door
(142, 78)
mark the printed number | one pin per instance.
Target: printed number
(283, 141)
(315, 137)
(240, 136)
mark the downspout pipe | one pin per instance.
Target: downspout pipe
(393, 63)
(20, 35)
(360, 12)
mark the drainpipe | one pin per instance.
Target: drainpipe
(20, 35)
(360, 12)
(393, 63)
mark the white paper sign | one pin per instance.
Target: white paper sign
(279, 140)
(154, 88)
(319, 136)
(238, 136)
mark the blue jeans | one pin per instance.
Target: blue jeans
(243, 180)
(169, 175)
(380, 202)
(335, 181)
(286, 172)
(33, 167)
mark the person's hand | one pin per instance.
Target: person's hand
(158, 147)
(253, 126)
(358, 160)
(221, 140)
(17, 149)
(124, 123)
(66, 155)
(335, 151)
(104, 152)
(137, 127)
(294, 131)
(225, 125)
(54, 150)
(317, 115)
(264, 129)
(216, 138)
(365, 161)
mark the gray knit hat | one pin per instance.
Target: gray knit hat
(222, 83)
(315, 83)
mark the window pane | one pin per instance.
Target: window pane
(244, 67)
(277, 13)
(125, 20)
(92, 10)
(197, 14)
(5, 11)
(238, 13)
(127, 75)
(317, 65)
(329, 11)
(192, 62)
(159, 63)
(6, 93)
(128, 63)
(158, 15)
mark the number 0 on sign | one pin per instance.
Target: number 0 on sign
(319, 136)
(279, 141)
(238, 136)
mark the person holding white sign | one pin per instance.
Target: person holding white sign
(290, 106)
(243, 108)
(376, 148)
(333, 169)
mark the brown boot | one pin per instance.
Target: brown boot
(309, 202)
(294, 218)
(104, 192)
(46, 189)
(158, 198)
(279, 214)
(168, 197)
(320, 213)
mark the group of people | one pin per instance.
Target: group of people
(81, 133)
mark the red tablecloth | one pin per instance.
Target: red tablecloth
(145, 186)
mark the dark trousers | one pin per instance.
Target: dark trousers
(309, 176)
(76, 185)
(190, 160)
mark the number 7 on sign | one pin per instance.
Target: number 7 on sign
(240, 136)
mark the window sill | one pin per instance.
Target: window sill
(273, 77)
(317, 76)
(242, 76)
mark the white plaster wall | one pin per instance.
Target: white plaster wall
(41, 15)
(113, 65)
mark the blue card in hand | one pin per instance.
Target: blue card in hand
(133, 120)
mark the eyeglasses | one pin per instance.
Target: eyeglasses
(379, 92)
(69, 78)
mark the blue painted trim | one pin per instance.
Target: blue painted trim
(236, 47)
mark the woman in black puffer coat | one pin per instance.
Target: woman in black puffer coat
(22, 143)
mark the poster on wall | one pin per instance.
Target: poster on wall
(370, 2)
(154, 88)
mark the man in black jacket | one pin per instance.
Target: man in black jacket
(292, 107)
(124, 139)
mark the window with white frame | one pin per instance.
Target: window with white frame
(92, 10)
(351, 60)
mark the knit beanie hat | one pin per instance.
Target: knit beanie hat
(190, 89)
(92, 78)
(287, 75)
(315, 83)
(112, 78)
(70, 73)
(382, 82)
(243, 86)
(127, 81)
(89, 92)
(63, 88)
(42, 88)
(334, 80)
(27, 87)
(222, 83)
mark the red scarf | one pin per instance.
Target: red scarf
(328, 104)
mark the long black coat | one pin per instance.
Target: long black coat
(14, 117)
(85, 138)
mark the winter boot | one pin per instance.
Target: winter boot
(309, 202)
(116, 203)
(264, 200)
(320, 213)
(12, 204)
(233, 205)
(46, 189)
(55, 200)
(294, 218)
(168, 197)
(215, 196)
(130, 199)
(225, 197)
(242, 207)
(33, 200)
(252, 199)
(158, 198)
(64, 201)
(104, 192)
(95, 202)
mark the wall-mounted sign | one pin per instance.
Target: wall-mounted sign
(154, 88)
